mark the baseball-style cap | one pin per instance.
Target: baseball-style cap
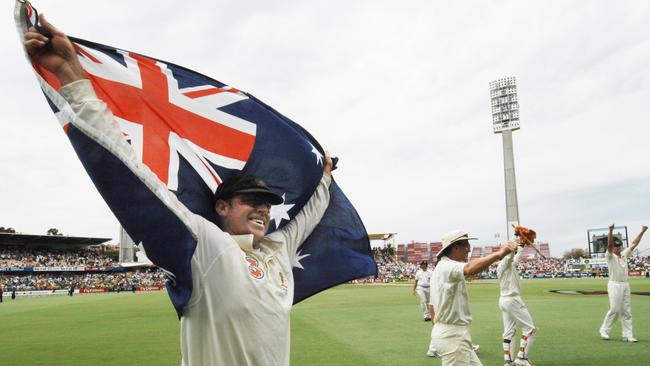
(452, 237)
(243, 184)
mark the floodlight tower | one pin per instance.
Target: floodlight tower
(126, 247)
(505, 119)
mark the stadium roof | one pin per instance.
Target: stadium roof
(45, 240)
(386, 236)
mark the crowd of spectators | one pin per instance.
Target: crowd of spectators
(22, 257)
(389, 269)
(534, 267)
(392, 270)
(639, 264)
(94, 273)
(383, 255)
(113, 281)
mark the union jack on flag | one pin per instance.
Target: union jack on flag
(194, 132)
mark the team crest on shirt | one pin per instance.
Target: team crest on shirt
(254, 267)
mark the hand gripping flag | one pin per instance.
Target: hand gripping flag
(194, 132)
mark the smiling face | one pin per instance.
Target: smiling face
(245, 214)
(460, 251)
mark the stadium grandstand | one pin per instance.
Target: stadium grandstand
(416, 252)
(54, 264)
(57, 264)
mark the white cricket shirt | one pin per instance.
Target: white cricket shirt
(423, 277)
(508, 276)
(618, 265)
(239, 310)
(449, 293)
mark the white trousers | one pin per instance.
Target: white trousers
(454, 344)
(620, 303)
(423, 294)
(515, 314)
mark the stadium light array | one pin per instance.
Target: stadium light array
(505, 119)
(505, 107)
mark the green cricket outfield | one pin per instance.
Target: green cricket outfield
(346, 325)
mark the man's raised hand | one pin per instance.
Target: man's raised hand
(510, 247)
(328, 165)
(55, 54)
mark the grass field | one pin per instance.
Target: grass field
(347, 325)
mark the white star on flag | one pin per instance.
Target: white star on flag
(319, 156)
(296, 259)
(280, 212)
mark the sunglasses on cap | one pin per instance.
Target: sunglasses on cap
(254, 200)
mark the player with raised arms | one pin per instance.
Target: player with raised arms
(243, 286)
(618, 287)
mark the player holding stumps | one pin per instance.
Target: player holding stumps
(514, 311)
(421, 287)
(618, 288)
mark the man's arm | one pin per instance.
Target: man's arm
(610, 239)
(302, 225)
(637, 240)
(415, 285)
(479, 265)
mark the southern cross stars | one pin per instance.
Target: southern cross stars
(319, 156)
(296, 259)
(280, 212)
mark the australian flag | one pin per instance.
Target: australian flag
(193, 133)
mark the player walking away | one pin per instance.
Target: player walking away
(450, 335)
(243, 286)
(432, 352)
(514, 311)
(618, 288)
(421, 287)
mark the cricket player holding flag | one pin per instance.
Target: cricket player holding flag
(230, 279)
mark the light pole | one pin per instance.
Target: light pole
(505, 119)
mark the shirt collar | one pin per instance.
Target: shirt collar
(267, 245)
(444, 258)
